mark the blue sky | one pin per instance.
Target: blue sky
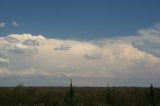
(78, 19)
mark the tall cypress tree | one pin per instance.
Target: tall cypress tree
(71, 92)
(109, 95)
(69, 96)
(152, 95)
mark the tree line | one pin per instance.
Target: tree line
(79, 96)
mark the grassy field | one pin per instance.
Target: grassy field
(79, 96)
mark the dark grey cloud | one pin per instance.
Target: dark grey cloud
(31, 42)
(93, 56)
(62, 47)
(11, 39)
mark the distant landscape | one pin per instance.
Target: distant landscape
(109, 49)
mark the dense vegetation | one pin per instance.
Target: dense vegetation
(79, 96)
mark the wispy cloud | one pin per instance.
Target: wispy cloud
(14, 23)
(2, 24)
(147, 40)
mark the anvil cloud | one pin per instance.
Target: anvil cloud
(36, 60)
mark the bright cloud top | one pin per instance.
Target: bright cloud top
(36, 60)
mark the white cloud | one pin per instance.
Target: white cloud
(119, 61)
(15, 56)
(147, 40)
(3, 60)
(23, 37)
(14, 23)
(18, 49)
(2, 24)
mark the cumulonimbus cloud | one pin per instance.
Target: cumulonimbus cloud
(120, 61)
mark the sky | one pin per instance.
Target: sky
(93, 42)
(78, 19)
